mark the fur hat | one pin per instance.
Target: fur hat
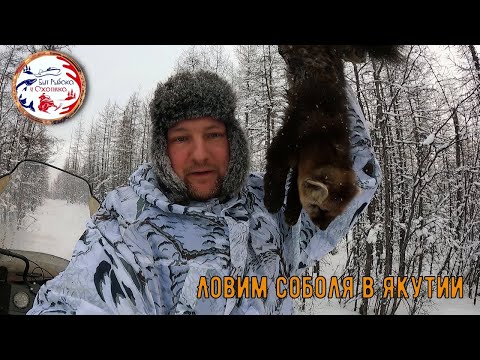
(188, 95)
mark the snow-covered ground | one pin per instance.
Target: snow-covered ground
(53, 228)
(56, 226)
(332, 265)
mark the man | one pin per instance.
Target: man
(194, 217)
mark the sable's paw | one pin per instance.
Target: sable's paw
(274, 188)
(326, 192)
(292, 212)
(276, 173)
(294, 206)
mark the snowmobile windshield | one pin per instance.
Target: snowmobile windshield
(43, 213)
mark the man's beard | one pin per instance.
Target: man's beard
(194, 194)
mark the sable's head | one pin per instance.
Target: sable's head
(326, 192)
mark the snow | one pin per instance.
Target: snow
(332, 265)
(59, 225)
(372, 234)
(429, 139)
(370, 125)
(455, 306)
(53, 228)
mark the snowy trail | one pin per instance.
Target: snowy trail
(53, 228)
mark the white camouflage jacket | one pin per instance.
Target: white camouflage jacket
(141, 254)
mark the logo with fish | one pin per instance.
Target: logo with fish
(48, 87)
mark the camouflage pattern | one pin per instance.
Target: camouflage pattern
(142, 254)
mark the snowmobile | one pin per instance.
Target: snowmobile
(43, 212)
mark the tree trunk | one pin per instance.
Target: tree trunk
(476, 61)
(386, 183)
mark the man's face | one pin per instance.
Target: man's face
(199, 152)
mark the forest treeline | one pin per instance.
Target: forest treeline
(423, 116)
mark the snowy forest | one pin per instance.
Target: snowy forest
(423, 116)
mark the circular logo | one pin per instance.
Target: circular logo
(48, 87)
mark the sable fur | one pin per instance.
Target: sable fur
(313, 142)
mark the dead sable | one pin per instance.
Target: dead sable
(314, 139)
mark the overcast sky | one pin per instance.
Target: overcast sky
(115, 72)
